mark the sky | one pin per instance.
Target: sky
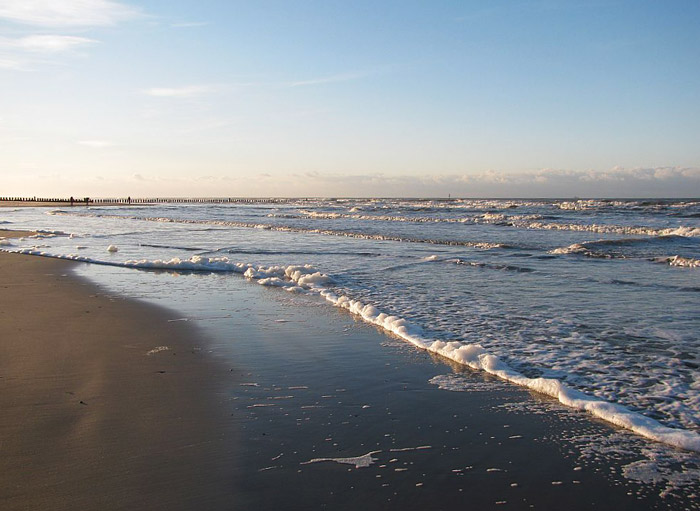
(229, 98)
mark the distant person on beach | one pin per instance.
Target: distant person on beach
(72, 200)
(128, 200)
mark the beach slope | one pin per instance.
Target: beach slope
(105, 403)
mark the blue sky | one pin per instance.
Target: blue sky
(318, 98)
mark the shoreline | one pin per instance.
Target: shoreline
(310, 390)
(475, 357)
(96, 413)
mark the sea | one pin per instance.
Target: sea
(594, 303)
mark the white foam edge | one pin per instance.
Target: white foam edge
(293, 278)
(470, 355)
(476, 357)
(676, 260)
(363, 461)
(195, 263)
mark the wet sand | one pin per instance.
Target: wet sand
(319, 388)
(322, 388)
(89, 419)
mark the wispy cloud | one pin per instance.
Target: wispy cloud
(67, 13)
(198, 90)
(26, 53)
(55, 15)
(343, 77)
(187, 91)
(46, 43)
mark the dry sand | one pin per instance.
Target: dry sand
(90, 419)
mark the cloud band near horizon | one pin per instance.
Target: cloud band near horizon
(659, 182)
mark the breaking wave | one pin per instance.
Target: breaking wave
(519, 221)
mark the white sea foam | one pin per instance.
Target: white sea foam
(49, 233)
(292, 278)
(660, 469)
(673, 472)
(458, 383)
(363, 461)
(676, 260)
(194, 263)
(582, 249)
(586, 249)
(687, 232)
(157, 349)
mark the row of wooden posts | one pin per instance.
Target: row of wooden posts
(140, 200)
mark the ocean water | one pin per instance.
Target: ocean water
(593, 302)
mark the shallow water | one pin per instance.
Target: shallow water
(600, 295)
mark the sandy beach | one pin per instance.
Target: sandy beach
(96, 414)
